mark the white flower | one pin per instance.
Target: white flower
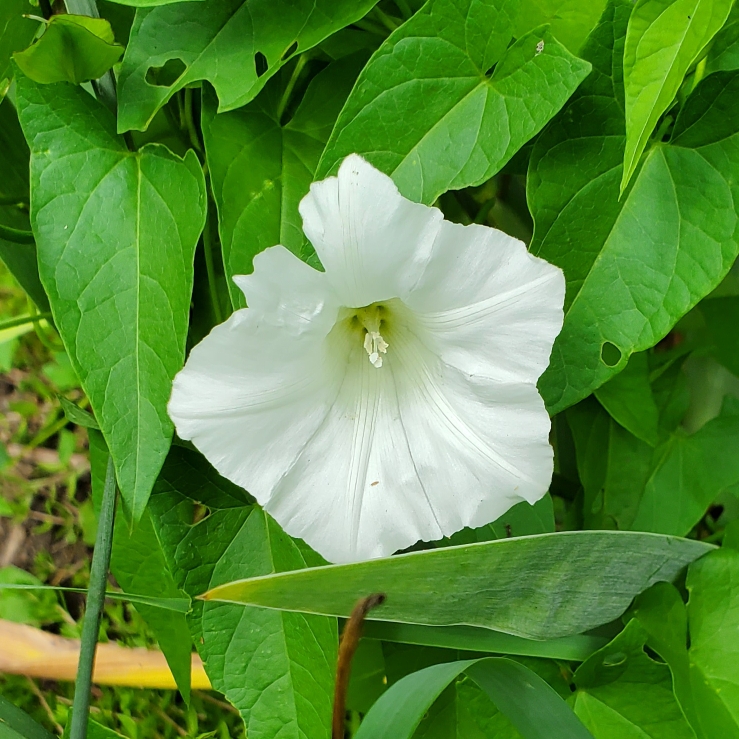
(392, 397)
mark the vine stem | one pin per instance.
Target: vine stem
(16, 235)
(210, 268)
(302, 59)
(95, 599)
(22, 320)
(190, 121)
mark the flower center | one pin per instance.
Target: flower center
(374, 344)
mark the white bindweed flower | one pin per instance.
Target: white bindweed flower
(392, 397)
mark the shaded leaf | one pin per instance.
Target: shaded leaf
(629, 400)
(20, 259)
(622, 693)
(570, 21)
(690, 474)
(261, 169)
(705, 678)
(575, 648)
(16, 32)
(16, 724)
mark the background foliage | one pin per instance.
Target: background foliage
(150, 153)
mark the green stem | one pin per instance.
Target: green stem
(302, 59)
(22, 320)
(16, 235)
(95, 599)
(16, 201)
(404, 8)
(190, 121)
(210, 269)
(389, 23)
(370, 27)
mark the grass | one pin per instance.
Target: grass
(47, 525)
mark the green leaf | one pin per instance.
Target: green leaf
(261, 169)
(722, 318)
(523, 697)
(367, 681)
(139, 566)
(20, 259)
(664, 38)
(705, 678)
(16, 32)
(16, 724)
(237, 45)
(643, 261)
(570, 21)
(176, 605)
(433, 73)
(23, 601)
(572, 648)
(523, 519)
(622, 693)
(94, 731)
(276, 668)
(148, 3)
(629, 400)
(690, 474)
(524, 577)
(119, 279)
(724, 51)
(72, 48)
(613, 466)
(464, 711)
(75, 414)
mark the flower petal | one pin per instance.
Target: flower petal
(372, 242)
(413, 451)
(354, 492)
(487, 305)
(256, 388)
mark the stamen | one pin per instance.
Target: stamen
(375, 345)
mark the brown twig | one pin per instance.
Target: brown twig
(45, 705)
(348, 645)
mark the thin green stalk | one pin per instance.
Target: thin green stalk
(190, 121)
(390, 23)
(16, 235)
(404, 8)
(22, 320)
(302, 59)
(11, 200)
(371, 27)
(210, 269)
(95, 599)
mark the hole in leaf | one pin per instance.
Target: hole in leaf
(612, 660)
(290, 51)
(166, 75)
(610, 354)
(260, 63)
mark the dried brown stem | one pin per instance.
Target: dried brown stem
(348, 645)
